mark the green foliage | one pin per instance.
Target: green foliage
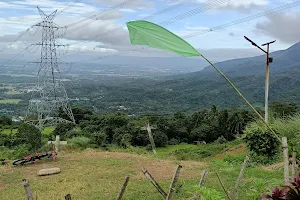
(282, 109)
(62, 129)
(32, 136)
(99, 138)
(14, 153)
(206, 193)
(160, 139)
(80, 142)
(261, 140)
(4, 121)
(236, 159)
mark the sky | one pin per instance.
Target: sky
(97, 28)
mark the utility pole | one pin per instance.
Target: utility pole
(44, 109)
(269, 60)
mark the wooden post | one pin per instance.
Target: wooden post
(27, 189)
(148, 128)
(285, 160)
(57, 141)
(293, 165)
(68, 197)
(203, 178)
(240, 177)
(154, 183)
(173, 183)
(223, 187)
(123, 188)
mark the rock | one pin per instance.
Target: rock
(49, 171)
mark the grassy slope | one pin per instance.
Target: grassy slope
(99, 175)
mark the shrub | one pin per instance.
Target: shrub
(62, 130)
(160, 139)
(261, 140)
(99, 138)
(173, 141)
(221, 140)
(80, 142)
(31, 135)
(205, 193)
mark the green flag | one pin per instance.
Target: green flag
(147, 33)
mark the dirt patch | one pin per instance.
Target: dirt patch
(234, 151)
(273, 167)
(117, 155)
(163, 169)
(3, 186)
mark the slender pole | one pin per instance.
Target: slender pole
(267, 87)
(228, 197)
(285, 160)
(239, 178)
(27, 189)
(294, 165)
(154, 183)
(173, 183)
(123, 188)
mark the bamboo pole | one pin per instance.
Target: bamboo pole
(223, 187)
(173, 183)
(123, 188)
(154, 183)
(203, 178)
(294, 165)
(240, 178)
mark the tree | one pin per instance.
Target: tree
(62, 129)
(31, 135)
(4, 120)
(281, 109)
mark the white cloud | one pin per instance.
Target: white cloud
(126, 4)
(237, 5)
(281, 26)
(88, 49)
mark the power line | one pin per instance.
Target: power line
(219, 27)
(28, 29)
(190, 13)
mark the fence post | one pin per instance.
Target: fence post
(285, 159)
(154, 183)
(240, 177)
(173, 183)
(203, 178)
(57, 142)
(294, 165)
(27, 189)
(123, 188)
(68, 197)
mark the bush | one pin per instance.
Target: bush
(261, 140)
(15, 153)
(173, 141)
(99, 138)
(160, 139)
(80, 142)
(31, 135)
(221, 140)
(62, 130)
(204, 193)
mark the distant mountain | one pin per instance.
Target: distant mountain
(283, 60)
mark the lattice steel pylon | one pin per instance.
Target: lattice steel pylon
(43, 110)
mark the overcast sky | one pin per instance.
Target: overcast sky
(105, 33)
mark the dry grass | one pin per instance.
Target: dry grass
(94, 175)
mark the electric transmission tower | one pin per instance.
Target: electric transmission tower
(52, 98)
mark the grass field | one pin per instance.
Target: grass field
(96, 175)
(10, 101)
